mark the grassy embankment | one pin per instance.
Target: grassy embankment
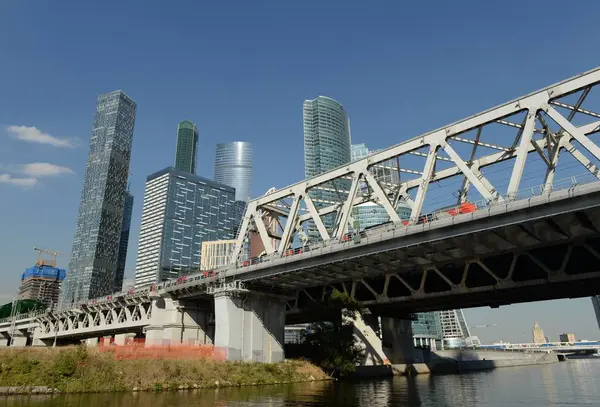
(78, 369)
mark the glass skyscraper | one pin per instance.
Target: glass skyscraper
(187, 146)
(326, 146)
(94, 261)
(181, 210)
(123, 242)
(233, 167)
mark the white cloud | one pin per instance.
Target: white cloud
(21, 182)
(44, 170)
(33, 135)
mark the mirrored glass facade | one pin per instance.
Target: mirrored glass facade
(124, 241)
(94, 258)
(187, 147)
(233, 167)
(181, 210)
(326, 146)
(427, 330)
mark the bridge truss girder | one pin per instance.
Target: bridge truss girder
(544, 126)
(98, 318)
(530, 276)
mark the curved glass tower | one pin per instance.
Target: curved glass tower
(326, 146)
(187, 146)
(233, 167)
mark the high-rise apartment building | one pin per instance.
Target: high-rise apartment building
(95, 254)
(187, 147)
(596, 305)
(123, 242)
(326, 146)
(181, 210)
(233, 167)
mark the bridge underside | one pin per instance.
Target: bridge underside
(517, 257)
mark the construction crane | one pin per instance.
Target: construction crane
(484, 326)
(41, 262)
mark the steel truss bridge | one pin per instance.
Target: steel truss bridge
(529, 169)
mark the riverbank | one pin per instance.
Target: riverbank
(80, 369)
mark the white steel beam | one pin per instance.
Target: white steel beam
(582, 159)
(290, 225)
(382, 197)
(264, 235)
(342, 227)
(580, 136)
(243, 232)
(487, 194)
(314, 214)
(522, 152)
(425, 179)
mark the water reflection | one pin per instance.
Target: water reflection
(572, 382)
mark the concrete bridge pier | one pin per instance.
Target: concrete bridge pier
(19, 339)
(250, 326)
(178, 322)
(3, 341)
(397, 340)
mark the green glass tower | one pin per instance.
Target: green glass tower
(187, 144)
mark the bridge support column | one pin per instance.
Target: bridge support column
(250, 326)
(92, 342)
(3, 341)
(19, 339)
(177, 322)
(397, 341)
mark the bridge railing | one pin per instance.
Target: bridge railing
(371, 234)
(25, 315)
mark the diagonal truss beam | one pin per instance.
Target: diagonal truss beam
(389, 195)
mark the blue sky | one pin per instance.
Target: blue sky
(241, 71)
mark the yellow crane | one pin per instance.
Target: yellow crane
(41, 262)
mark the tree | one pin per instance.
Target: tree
(331, 344)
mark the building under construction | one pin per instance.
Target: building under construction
(42, 282)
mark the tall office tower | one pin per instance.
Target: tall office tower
(326, 146)
(95, 254)
(596, 305)
(187, 146)
(455, 331)
(233, 167)
(538, 333)
(181, 210)
(123, 242)
(370, 214)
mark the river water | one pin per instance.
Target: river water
(571, 383)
